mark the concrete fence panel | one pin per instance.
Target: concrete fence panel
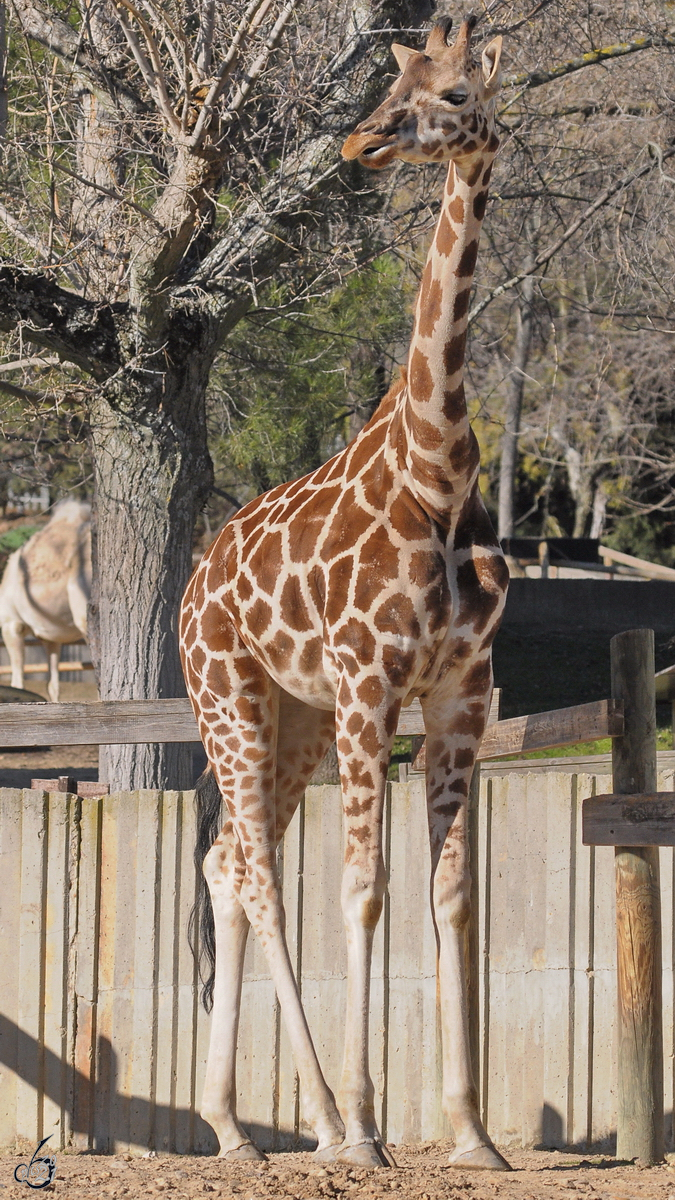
(103, 1042)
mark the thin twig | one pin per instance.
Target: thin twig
(534, 79)
(112, 192)
(553, 249)
(153, 75)
(226, 68)
(257, 67)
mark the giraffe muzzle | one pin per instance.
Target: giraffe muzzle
(372, 150)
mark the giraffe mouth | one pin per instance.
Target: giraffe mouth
(373, 154)
(371, 150)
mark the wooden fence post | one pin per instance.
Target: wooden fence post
(638, 911)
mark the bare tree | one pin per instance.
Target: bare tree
(579, 259)
(201, 155)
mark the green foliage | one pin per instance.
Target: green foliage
(296, 382)
(13, 539)
(647, 535)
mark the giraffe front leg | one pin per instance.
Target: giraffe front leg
(364, 742)
(223, 863)
(451, 752)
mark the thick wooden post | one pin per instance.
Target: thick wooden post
(638, 911)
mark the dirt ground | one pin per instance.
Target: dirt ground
(421, 1175)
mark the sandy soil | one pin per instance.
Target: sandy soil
(421, 1175)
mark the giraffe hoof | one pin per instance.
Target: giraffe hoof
(247, 1152)
(483, 1158)
(365, 1154)
(327, 1153)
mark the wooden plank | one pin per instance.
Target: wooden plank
(131, 722)
(642, 820)
(85, 975)
(410, 720)
(11, 982)
(560, 727)
(60, 878)
(109, 722)
(652, 570)
(28, 960)
(664, 682)
(414, 1068)
(43, 668)
(121, 722)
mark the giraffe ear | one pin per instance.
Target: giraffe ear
(491, 71)
(402, 54)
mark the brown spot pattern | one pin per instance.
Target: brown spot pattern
(421, 379)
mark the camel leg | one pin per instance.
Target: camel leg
(53, 652)
(13, 635)
(451, 752)
(224, 869)
(78, 600)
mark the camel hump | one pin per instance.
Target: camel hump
(54, 551)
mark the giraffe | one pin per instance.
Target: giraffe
(328, 603)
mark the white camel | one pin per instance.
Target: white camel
(45, 589)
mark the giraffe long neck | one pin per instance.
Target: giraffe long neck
(441, 453)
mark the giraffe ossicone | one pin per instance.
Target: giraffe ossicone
(328, 603)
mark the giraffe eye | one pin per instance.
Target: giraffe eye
(456, 98)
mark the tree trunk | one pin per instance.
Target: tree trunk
(152, 474)
(514, 403)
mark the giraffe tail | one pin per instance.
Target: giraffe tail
(201, 927)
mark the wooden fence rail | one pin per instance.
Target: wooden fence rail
(135, 721)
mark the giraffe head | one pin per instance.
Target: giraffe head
(440, 108)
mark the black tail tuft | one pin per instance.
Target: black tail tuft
(201, 927)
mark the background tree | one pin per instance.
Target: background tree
(200, 156)
(188, 263)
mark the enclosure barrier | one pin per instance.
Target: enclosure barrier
(628, 718)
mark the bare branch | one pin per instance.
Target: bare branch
(63, 41)
(226, 68)
(112, 192)
(29, 239)
(257, 67)
(36, 360)
(204, 42)
(16, 228)
(552, 250)
(78, 330)
(535, 79)
(152, 74)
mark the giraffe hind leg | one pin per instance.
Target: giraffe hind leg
(303, 737)
(450, 760)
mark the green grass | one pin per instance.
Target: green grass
(664, 741)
